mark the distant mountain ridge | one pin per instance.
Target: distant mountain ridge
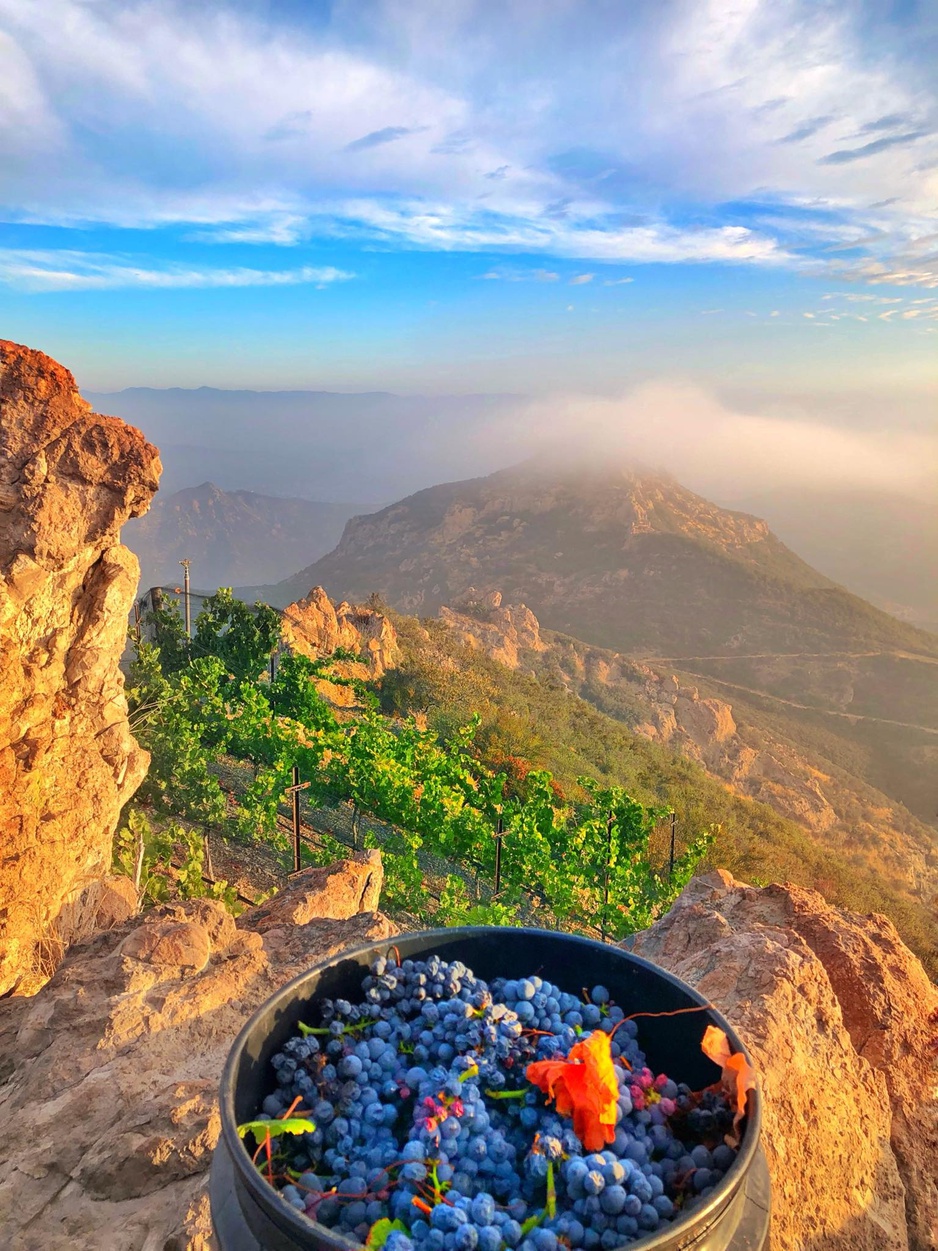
(370, 446)
(624, 558)
(230, 536)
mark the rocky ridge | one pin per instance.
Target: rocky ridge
(621, 556)
(317, 628)
(502, 632)
(69, 479)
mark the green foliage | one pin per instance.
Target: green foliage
(145, 854)
(275, 1128)
(380, 1231)
(241, 637)
(439, 790)
(169, 636)
(457, 909)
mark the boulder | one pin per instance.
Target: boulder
(69, 479)
(109, 1074)
(337, 891)
(840, 1018)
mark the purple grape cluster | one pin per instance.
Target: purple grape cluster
(423, 1118)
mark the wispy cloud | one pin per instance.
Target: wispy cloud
(845, 155)
(377, 138)
(580, 279)
(807, 129)
(38, 271)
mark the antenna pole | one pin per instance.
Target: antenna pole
(185, 566)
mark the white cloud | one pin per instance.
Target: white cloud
(82, 271)
(263, 130)
(580, 279)
(714, 447)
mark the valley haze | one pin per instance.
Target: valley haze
(859, 500)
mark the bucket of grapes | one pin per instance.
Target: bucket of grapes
(489, 1089)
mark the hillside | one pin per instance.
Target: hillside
(230, 536)
(632, 564)
(623, 558)
(536, 713)
(808, 775)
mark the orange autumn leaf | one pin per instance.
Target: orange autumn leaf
(583, 1086)
(738, 1076)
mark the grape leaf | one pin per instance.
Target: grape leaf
(292, 1125)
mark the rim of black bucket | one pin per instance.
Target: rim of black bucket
(702, 1216)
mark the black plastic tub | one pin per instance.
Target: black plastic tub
(249, 1215)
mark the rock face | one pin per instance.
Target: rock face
(840, 1018)
(501, 631)
(68, 480)
(316, 627)
(109, 1075)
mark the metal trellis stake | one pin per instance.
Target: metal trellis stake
(610, 822)
(294, 790)
(499, 833)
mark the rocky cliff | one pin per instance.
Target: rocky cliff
(502, 632)
(317, 628)
(109, 1075)
(68, 480)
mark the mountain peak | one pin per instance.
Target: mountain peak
(620, 555)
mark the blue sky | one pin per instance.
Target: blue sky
(538, 196)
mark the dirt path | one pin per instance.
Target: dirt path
(827, 712)
(677, 660)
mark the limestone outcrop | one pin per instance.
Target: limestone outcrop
(502, 631)
(69, 479)
(316, 627)
(841, 1021)
(109, 1075)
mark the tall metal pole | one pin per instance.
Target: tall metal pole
(671, 861)
(185, 586)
